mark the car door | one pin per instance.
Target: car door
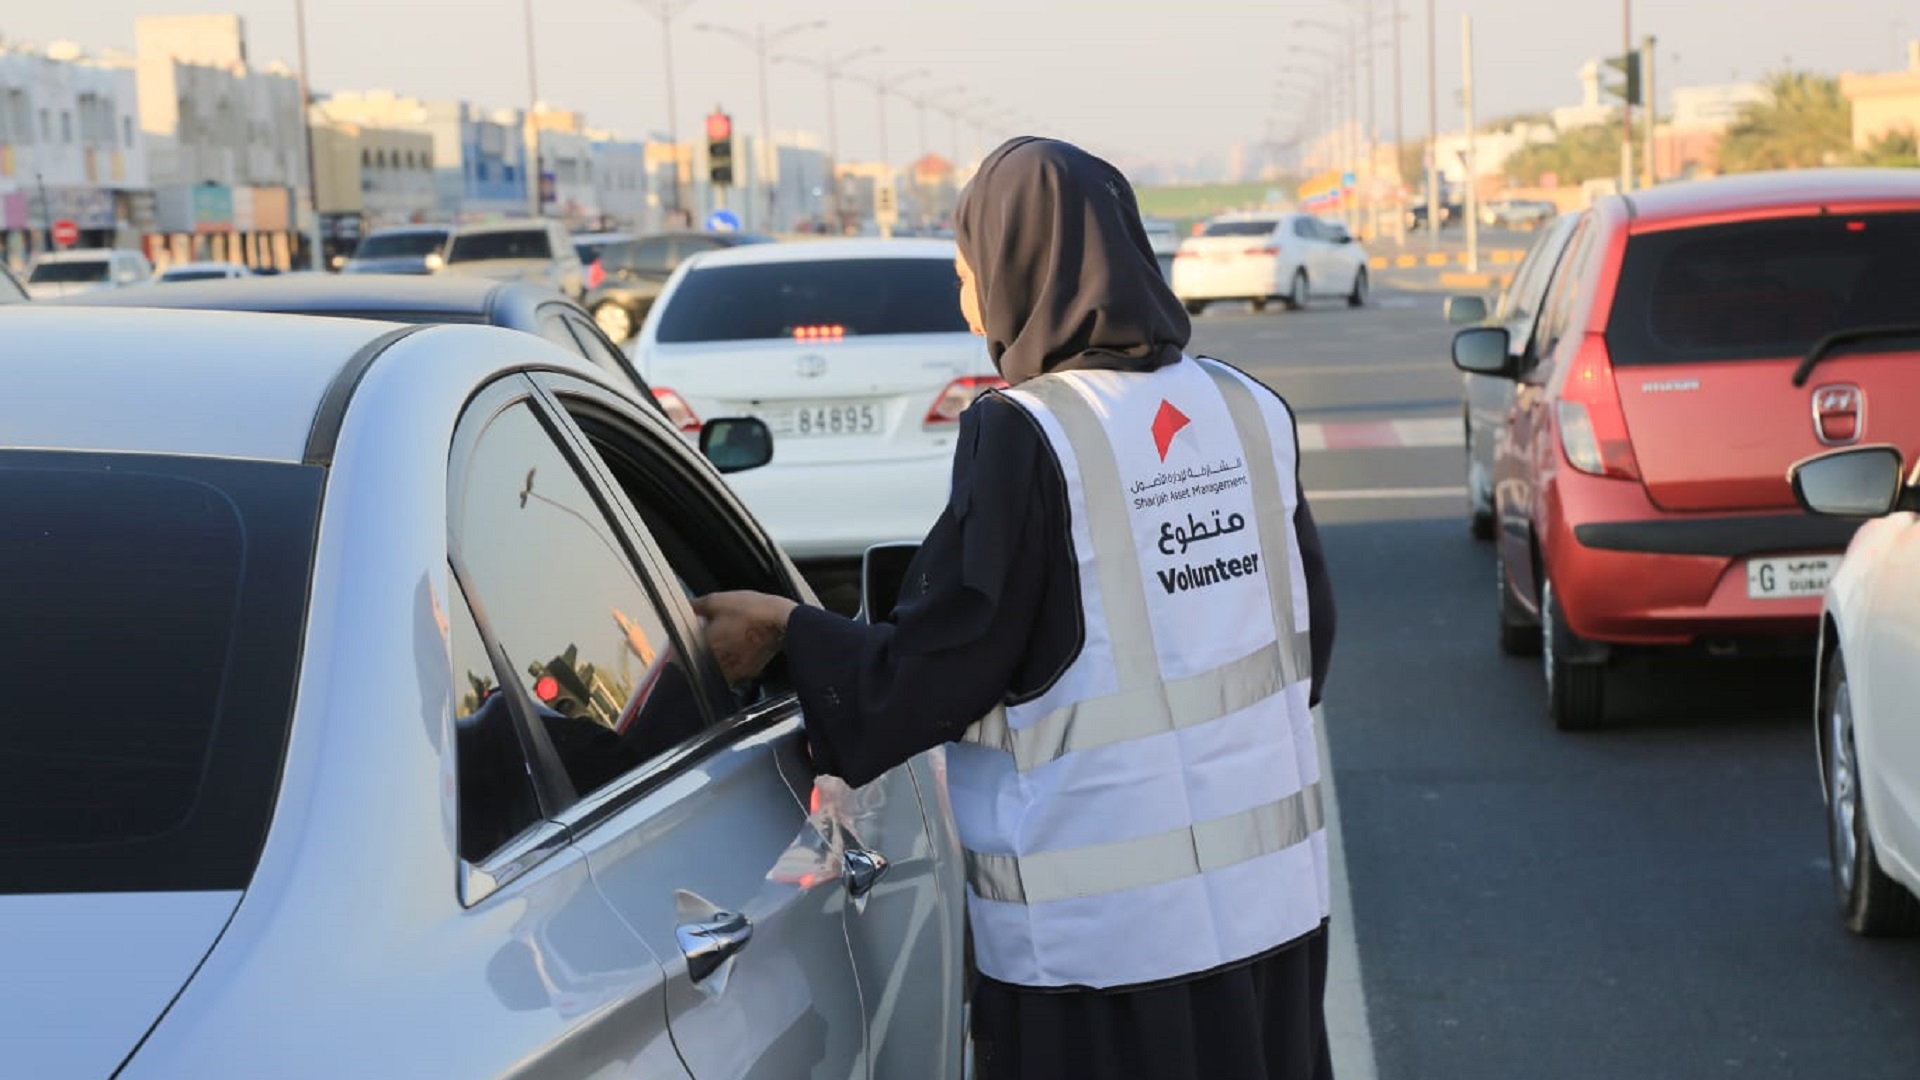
(870, 845)
(1306, 251)
(1888, 682)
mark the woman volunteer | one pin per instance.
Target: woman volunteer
(1120, 622)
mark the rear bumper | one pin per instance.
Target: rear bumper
(838, 511)
(1194, 278)
(1626, 572)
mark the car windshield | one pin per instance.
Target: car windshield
(68, 270)
(157, 601)
(505, 244)
(193, 275)
(403, 245)
(1763, 289)
(780, 299)
(1240, 228)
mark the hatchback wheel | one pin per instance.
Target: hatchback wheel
(1361, 289)
(1873, 904)
(1519, 635)
(1576, 690)
(1195, 307)
(615, 321)
(1297, 292)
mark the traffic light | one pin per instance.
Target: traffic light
(1628, 66)
(719, 149)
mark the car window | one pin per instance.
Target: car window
(1559, 308)
(590, 344)
(567, 605)
(1763, 289)
(553, 327)
(1306, 229)
(651, 256)
(836, 297)
(496, 793)
(406, 245)
(67, 271)
(501, 244)
(1260, 227)
(1522, 300)
(149, 642)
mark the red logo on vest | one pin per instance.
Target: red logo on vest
(1167, 423)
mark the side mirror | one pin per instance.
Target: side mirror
(1465, 310)
(1483, 350)
(883, 570)
(1859, 482)
(736, 443)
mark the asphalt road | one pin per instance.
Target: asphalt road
(1650, 901)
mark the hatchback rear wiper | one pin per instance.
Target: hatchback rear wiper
(1849, 337)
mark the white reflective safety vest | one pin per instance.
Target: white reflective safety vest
(1156, 812)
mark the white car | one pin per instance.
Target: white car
(1261, 257)
(203, 271)
(854, 353)
(64, 273)
(1869, 678)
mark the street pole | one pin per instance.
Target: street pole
(1353, 128)
(665, 10)
(315, 260)
(533, 169)
(1473, 165)
(1373, 131)
(1626, 104)
(1399, 134)
(1433, 134)
(1649, 170)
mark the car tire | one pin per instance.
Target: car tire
(1480, 522)
(1871, 903)
(1259, 304)
(1519, 635)
(614, 320)
(1297, 291)
(1576, 690)
(1195, 307)
(1361, 289)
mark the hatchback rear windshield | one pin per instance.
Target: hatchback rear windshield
(1240, 228)
(855, 296)
(69, 270)
(150, 627)
(1763, 289)
(515, 244)
(407, 245)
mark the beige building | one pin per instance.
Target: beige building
(1886, 102)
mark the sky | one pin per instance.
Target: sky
(1167, 80)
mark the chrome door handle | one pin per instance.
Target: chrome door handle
(864, 871)
(713, 942)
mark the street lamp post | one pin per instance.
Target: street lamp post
(533, 170)
(760, 40)
(665, 11)
(829, 68)
(315, 260)
(882, 86)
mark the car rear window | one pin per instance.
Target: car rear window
(194, 275)
(69, 270)
(407, 245)
(859, 297)
(1763, 289)
(508, 244)
(1240, 228)
(150, 628)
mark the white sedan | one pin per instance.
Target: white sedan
(1261, 257)
(1869, 678)
(853, 352)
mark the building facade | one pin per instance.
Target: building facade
(479, 155)
(620, 182)
(1886, 103)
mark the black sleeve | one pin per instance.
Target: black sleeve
(1321, 618)
(989, 611)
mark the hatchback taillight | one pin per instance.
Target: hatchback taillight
(1593, 426)
(958, 395)
(677, 409)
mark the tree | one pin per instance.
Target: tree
(1805, 122)
(1895, 149)
(1584, 153)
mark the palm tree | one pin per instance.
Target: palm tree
(1804, 123)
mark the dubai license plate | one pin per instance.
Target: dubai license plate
(1790, 578)
(826, 420)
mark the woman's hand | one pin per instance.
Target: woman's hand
(745, 630)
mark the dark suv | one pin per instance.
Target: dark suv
(624, 282)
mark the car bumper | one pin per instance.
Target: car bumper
(1626, 572)
(1195, 279)
(838, 511)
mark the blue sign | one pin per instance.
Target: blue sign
(1347, 180)
(723, 221)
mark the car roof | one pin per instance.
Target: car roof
(1758, 194)
(408, 298)
(210, 384)
(826, 250)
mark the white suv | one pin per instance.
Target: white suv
(63, 273)
(1259, 257)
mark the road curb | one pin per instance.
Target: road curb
(1483, 280)
(1442, 259)
(1349, 1032)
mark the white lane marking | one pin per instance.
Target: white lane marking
(1349, 1034)
(1394, 368)
(1425, 432)
(1338, 494)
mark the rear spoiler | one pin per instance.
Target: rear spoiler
(1850, 337)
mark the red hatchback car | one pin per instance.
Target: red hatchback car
(1697, 341)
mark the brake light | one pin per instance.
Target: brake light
(596, 274)
(958, 395)
(1183, 253)
(1259, 251)
(1593, 426)
(676, 409)
(819, 333)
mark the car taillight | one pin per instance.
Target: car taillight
(958, 395)
(1593, 427)
(1184, 254)
(596, 274)
(676, 409)
(1263, 251)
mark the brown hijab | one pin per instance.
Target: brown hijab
(1067, 277)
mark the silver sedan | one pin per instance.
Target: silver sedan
(386, 742)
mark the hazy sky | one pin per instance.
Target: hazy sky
(1172, 78)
